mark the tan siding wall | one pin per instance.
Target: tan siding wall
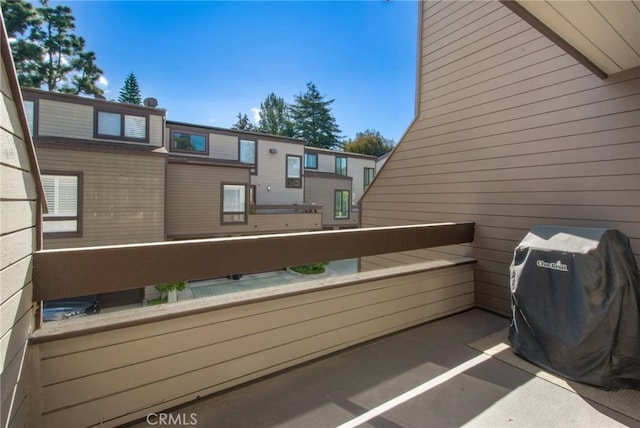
(158, 365)
(272, 169)
(156, 126)
(194, 198)
(512, 133)
(223, 146)
(60, 119)
(18, 213)
(122, 200)
(321, 190)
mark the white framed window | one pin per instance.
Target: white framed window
(234, 203)
(63, 194)
(294, 171)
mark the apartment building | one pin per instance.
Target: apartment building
(337, 180)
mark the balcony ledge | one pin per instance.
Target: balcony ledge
(58, 330)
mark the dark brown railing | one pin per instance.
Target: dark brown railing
(85, 271)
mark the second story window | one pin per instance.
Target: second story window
(191, 143)
(125, 126)
(368, 176)
(62, 191)
(30, 110)
(248, 153)
(311, 160)
(234, 203)
(342, 203)
(294, 171)
(341, 165)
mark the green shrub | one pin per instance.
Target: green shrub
(165, 288)
(311, 269)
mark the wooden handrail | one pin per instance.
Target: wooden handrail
(93, 270)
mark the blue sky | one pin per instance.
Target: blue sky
(207, 61)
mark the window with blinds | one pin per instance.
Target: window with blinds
(62, 194)
(234, 203)
(29, 108)
(116, 125)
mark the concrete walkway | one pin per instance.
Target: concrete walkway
(216, 287)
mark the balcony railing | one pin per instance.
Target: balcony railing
(84, 271)
(115, 368)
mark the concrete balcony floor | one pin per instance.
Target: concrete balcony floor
(449, 384)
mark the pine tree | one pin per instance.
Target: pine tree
(243, 123)
(46, 51)
(130, 91)
(275, 117)
(313, 121)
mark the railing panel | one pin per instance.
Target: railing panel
(84, 271)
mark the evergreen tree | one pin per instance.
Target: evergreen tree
(369, 142)
(20, 19)
(45, 49)
(88, 73)
(243, 123)
(313, 121)
(130, 91)
(275, 117)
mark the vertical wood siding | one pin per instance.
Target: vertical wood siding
(122, 200)
(512, 132)
(18, 199)
(154, 366)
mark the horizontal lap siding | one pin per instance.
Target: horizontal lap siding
(321, 191)
(194, 197)
(512, 132)
(122, 197)
(153, 367)
(18, 201)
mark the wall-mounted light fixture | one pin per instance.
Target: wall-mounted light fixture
(273, 150)
(268, 188)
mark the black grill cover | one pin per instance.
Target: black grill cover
(575, 301)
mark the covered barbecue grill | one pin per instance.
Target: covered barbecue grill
(575, 300)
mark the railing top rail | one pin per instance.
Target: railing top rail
(84, 271)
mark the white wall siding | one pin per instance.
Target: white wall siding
(156, 127)
(272, 170)
(326, 163)
(355, 169)
(512, 133)
(60, 119)
(223, 146)
(18, 213)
